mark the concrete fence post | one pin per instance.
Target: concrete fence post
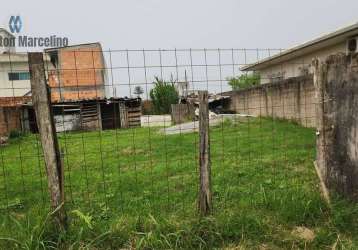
(336, 86)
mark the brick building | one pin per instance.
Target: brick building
(75, 73)
(11, 114)
(77, 78)
(79, 73)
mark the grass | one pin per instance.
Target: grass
(137, 188)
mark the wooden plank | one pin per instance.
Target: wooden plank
(324, 189)
(130, 115)
(134, 123)
(99, 116)
(123, 115)
(182, 113)
(135, 109)
(205, 195)
(45, 122)
(319, 77)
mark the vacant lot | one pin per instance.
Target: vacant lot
(137, 188)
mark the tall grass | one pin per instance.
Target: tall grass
(137, 189)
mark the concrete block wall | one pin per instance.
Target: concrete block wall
(292, 99)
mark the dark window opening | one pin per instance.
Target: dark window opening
(18, 76)
(352, 45)
(53, 58)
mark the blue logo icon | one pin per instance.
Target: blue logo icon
(15, 24)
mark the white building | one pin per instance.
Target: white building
(14, 75)
(14, 68)
(5, 45)
(297, 60)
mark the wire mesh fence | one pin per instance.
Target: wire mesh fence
(120, 150)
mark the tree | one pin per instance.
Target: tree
(163, 95)
(138, 90)
(244, 81)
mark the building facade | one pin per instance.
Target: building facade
(7, 42)
(78, 73)
(297, 61)
(75, 74)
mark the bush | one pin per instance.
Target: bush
(15, 134)
(163, 95)
(244, 81)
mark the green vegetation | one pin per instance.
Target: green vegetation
(15, 134)
(244, 81)
(163, 95)
(137, 188)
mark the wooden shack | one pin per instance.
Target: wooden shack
(98, 114)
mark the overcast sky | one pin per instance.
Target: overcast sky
(153, 24)
(183, 23)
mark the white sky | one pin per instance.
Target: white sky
(168, 24)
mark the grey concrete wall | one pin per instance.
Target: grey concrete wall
(337, 111)
(292, 99)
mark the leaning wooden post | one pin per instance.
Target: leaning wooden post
(204, 155)
(42, 104)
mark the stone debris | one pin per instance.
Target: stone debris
(304, 233)
(4, 140)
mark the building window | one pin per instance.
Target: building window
(16, 76)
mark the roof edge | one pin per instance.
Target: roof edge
(304, 45)
(75, 46)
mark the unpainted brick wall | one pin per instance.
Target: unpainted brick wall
(10, 119)
(14, 101)
(292, 99)
(81, 74)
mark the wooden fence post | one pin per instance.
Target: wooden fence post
(42, 104)
(319, 79)
(204, 155)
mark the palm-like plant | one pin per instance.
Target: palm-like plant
(163, 95)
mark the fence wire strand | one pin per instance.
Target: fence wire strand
(123, 154)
